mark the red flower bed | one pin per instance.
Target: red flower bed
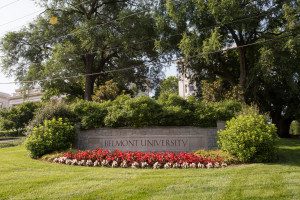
(102, 157)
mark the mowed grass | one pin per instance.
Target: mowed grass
(24, 178)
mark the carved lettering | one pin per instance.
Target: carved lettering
(146, 143)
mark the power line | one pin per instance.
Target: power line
(8, 4)
(164, 62)
(204, 28)
(70, 34)
(20, 18)
(30, 14)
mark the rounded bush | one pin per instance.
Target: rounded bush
(52, 135)
(250, 138)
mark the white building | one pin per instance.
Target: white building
(186, 86)
(18, 97)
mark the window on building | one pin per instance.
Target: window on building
(192, 88)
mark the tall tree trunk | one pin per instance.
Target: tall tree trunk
(89, 87)
(283, 125)
(89, 79)
(243, 69)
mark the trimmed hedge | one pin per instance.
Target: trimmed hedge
(12, 133)
(143, 111)
(17, 117)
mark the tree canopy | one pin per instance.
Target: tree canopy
(249, 44)
(168, 85)
(91, 38)
(249, 48)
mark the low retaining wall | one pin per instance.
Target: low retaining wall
(175, 139)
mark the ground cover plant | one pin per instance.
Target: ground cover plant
(25, 178)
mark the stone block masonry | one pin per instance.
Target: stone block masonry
(175, 139)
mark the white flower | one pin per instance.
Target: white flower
(193, 165)
(135, 165)
(89, 163)
(156, 165)
(114, 164)
(217, 165)
(104, 163)
(124, 164)
(200, 165)
(74, 162)
(82, 163)
(224, 165)
(176, 165)
(144, 165)
(55, 160)
(62, 160)
(209, 165)
(68, 161)
(168, 165)
(96, 163)
(185, 165)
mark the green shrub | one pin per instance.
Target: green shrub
(7, 124)
(17, 117)
(115, 116)
(12, 133)
(12, 142)
(52, 110)
(52, 135)
(207, 114)
(175, 116)
(295, 128)
(250, 138)
(172, 99)
(176, 111)
(133, 112)
(90, 114)
(225, 110)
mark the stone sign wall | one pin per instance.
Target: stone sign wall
(175, 139)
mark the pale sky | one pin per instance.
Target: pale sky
(27, 10)
(14, 12)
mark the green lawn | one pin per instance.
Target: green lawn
(24, 178)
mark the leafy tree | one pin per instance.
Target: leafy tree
(216, 25)
(276, 86)
(89, 37)
(169, 85)
(109, 91)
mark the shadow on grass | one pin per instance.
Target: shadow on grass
(289, 152)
